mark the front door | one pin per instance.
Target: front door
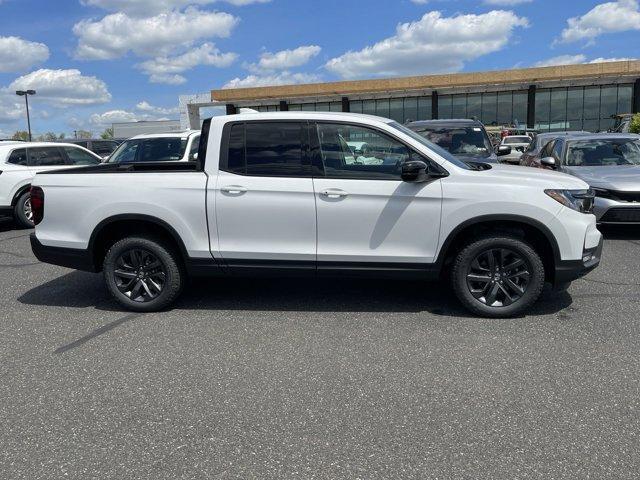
(367, 216)
(264, 201)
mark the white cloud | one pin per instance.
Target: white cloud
(145, 106)
(160, 35)
(604, 18)
(11, 107)
(506, 3)
(575, 59)
(282, 78)
(112, 116)
(152, 7)
(430, 45)
(284, 59)
(63, 87)
(167, 69)
(17, 55)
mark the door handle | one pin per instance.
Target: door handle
(334, 193)
(233, 189)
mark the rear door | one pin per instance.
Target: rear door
(264, 199)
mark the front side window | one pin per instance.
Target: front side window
(557, 150)
(350, 151)
(273, 149)
(46, 157)
(603, 153)
(18, 157)
(78, 156)
(126, 152)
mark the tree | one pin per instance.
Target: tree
(634, 127)
(62, 136)
(48, 137)
(107, 134)
(21, 135)
(83, 134)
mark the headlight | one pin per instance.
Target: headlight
(602, 192)
(578, 200)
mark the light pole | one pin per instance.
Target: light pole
(25, 94)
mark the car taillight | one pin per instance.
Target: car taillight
(37, 204)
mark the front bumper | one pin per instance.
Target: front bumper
(568, 270)
(64, 257)
(609, 211)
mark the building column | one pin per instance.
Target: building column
(231, 109)
(346, 105)
(531, 106)
(284, 106)
(434, 105)
(636, 96)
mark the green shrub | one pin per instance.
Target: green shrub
(634, 127)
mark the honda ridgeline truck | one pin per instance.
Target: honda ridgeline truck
(284, 193)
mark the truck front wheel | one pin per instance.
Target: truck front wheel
(143, 274)
(499, 276)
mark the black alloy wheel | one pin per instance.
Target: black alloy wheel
(140, 275)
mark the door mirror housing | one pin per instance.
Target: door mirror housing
(503, 150)
(549, 162)
(415, 171)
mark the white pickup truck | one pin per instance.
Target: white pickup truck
(284, 194)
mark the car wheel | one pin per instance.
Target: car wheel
(498, 276)
(22, 211)
(143, 274)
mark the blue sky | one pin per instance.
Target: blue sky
(97, 61)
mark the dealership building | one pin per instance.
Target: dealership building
(568, 97)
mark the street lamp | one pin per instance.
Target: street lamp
(25, 94)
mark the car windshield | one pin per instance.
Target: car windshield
(160, 149)
(458, 140)
(430, 145)
(512, 140)
(603, 153)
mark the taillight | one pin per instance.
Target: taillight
(37, 204)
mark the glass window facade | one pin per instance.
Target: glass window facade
(563, 108)
(581, 108)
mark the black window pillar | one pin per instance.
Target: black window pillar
(284, 106)
(434, 105)
(346, 105)
(636, 96)
(531, 106)
(231, 109)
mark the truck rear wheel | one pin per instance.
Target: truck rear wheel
(499, 276)
(143, 274)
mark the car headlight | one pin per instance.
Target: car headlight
(578, 200)
(602, 192)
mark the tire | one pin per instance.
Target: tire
(22, 211)
(143, 274)
(486, 287)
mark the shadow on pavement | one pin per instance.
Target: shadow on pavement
(82, 290)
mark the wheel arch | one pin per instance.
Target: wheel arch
(21, 190)
(529, 229)
(116, 227)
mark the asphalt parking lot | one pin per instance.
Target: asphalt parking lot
(327, 379)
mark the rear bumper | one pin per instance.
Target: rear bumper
(64, 257)
(569, 270)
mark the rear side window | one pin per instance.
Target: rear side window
(18, 157)
(46, 157)
(78, 156)
(274, 149)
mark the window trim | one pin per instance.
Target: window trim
(223, 165)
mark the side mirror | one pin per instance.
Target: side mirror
(415, 171)
(194, 156)
(503, 150)
(549, 162)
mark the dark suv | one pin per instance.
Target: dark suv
(466, 139)
(99, 146)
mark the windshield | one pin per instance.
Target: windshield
(603, 153)
(512, 140)
(162, 149)
(430, 145)
(458, 140)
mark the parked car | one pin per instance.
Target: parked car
(610, 164)
(277, 193)
(158, 147)
(100, 147)
(19, 163)
(518, 144)
(531, 156)
(466, 139)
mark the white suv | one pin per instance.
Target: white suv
(19, 163)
